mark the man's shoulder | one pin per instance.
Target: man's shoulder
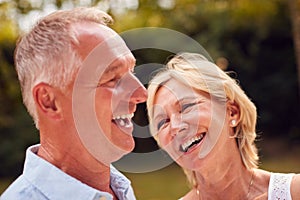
(21, 189)
(121, 185)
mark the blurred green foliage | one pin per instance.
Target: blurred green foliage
(254, 36)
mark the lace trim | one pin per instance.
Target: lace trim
(279, 186)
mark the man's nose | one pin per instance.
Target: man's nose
(133, 89)
(140, 94)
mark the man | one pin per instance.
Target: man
(77, 82)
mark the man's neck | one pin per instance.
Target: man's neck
(95, 174)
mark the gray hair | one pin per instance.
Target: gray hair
(45, 54)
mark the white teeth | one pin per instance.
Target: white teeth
(124, 116)
(188, 143)
(122, 123)
(123, 120)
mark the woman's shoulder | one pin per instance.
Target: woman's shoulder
(190, 195)
(295, 187)
(284, 185)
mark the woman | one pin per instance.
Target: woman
(204, 120)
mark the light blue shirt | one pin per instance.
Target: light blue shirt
(41, 180)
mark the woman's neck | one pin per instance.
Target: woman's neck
(232, 183)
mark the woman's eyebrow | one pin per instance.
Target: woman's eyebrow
(160, 115)
(189, 98)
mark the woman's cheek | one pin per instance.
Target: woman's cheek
(165, 140)
(167, 143)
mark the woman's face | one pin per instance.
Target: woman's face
(189, 123)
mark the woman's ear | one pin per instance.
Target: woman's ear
(234, 113)
(45, 100)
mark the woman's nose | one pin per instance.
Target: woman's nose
(177, 124)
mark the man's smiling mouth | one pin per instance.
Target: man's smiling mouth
(191, 142)
(123, 120)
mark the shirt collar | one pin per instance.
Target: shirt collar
(55, 184)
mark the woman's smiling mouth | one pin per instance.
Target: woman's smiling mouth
(191, 142)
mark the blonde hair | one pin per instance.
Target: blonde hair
(200, 74)
(45, 54)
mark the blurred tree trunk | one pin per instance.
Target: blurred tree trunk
(294, 7)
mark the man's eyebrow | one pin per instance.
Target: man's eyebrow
(116, 67)
(111, 69)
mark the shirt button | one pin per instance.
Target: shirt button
(102, 198)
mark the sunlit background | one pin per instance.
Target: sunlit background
(258, 40)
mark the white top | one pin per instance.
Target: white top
(43, 181)
(280, 186)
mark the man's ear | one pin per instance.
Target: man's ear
(45, 99)
(234, 113)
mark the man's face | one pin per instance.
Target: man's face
(105, 93)
(117, 94)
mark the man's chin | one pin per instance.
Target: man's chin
(120, 154)
(127, 147)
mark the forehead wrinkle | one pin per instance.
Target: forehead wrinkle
(119, 64)
(161, 106)
(188, 94)
(170, 89)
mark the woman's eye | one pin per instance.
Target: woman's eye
(185, 106)
(161, 123)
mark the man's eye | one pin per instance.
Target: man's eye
(161, 123)
(110, 83)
